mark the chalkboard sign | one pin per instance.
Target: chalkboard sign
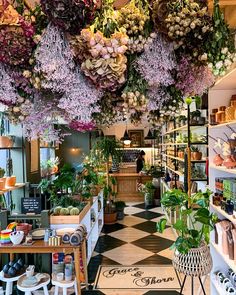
(31, 205)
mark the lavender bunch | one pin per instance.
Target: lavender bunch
(8, 93)
(80, 98)
(158, 97)
(41, 121)
(157, 62)
(54, 60)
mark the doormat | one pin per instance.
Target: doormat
(158, 277)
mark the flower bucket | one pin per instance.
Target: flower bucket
(196, 263)
(11, 181)
(6, 142)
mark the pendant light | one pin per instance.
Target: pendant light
(126, 139)
(149, 136)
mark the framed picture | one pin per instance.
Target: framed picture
(136, 137)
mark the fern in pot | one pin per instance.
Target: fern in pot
(195, 221)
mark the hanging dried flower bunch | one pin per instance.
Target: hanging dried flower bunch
(54, 61)
(135, 22)
(16, 37)
(110, 112)
(106, 64)
(193, 80)
(79, 101)
(8, 93)
(70, 15)
(157, 62)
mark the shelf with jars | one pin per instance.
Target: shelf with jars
(222, 170)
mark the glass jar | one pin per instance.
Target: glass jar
(220, 115)
(230, 112)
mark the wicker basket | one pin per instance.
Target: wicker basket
(197, 262)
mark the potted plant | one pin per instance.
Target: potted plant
(5, 141)
(181, 152)
(182, 120)
(192, 255)
(108, 149)
(120, 206)
(147, 190)
(10, 179)
(194, 117)
(2, 179)
(196, 155)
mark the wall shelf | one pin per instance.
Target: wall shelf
(223, 169)
(185, 128)
(176, 172)
(228, 261)
(222, 125)
(182, 160)
(12, 188)
(223, 213)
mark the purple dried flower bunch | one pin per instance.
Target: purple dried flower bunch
(193, 79)
(8, 93)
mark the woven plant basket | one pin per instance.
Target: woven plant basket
(196, 263)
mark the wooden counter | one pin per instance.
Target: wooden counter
(126, 186)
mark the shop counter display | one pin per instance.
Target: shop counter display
(42, 247)
(126, 185)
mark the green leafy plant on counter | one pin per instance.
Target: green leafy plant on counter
(195, 220)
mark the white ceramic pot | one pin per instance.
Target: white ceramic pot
(16, 237)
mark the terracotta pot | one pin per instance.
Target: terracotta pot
(110, 218)
(25, 227)
(3, 182)
(54, 169)
(218, 160)
(197, 156)
(6, 141)
(229, 162)
(11, 181)
(181, 154)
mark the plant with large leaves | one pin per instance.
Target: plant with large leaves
(195, 220)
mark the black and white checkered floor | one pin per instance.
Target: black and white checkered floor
(133, 241)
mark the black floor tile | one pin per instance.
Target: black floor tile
(147, 226)
(142, 206)
(106, 243)
(148, 215)
(161, 292)
(153, 243)
(154, 259)
(109, 228)
(94, 264)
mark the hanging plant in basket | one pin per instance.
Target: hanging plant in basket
(192, 255)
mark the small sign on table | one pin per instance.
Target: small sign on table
(31, 205)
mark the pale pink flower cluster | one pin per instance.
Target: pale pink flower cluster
(8, 93)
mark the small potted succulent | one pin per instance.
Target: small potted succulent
(196, 155)
(182, 120)
(180, 153)
(194, 117)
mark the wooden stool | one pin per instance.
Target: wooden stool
(42, 284)
(64, 285)
(9, 282)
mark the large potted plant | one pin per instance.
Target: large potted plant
(192, 255)
(108, 149)
(120, 206)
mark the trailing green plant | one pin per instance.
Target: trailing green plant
(2, 124)
(195, 220)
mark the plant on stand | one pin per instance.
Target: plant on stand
(147, 190)
(192, 255)
(196, 155)
(108, 149)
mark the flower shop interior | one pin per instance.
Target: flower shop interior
(118, 147)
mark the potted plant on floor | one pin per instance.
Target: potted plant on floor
(108, 149)
(120, 206)
(147, 190)
(192, 255)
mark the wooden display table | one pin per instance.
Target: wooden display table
(42, 247)
(126, 185)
